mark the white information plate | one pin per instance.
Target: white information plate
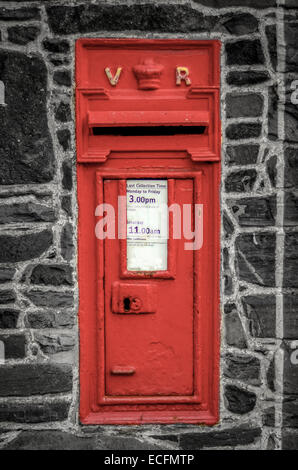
(147, 225)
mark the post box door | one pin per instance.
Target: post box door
(149, 321)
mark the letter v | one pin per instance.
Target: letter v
(113, 80)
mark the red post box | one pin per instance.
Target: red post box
(148, 149)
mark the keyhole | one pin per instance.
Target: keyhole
(126, 304)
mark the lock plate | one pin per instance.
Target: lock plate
(132, 298)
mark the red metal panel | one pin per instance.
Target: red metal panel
(157, 359)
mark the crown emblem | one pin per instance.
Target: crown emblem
(148, 74)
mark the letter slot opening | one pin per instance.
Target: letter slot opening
(132, 131)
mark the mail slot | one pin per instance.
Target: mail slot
(148, 172)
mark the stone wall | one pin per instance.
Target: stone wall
(39, 391)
